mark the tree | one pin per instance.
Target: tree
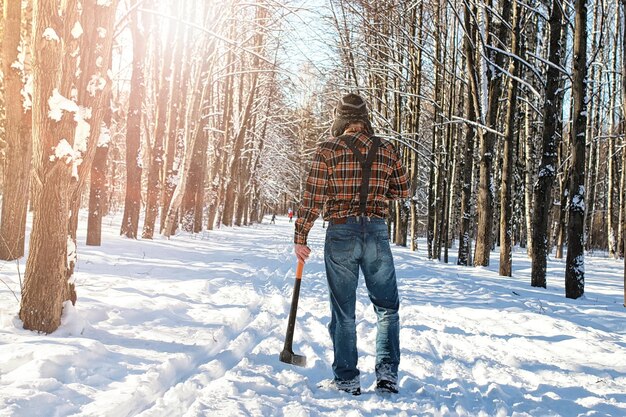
(550, 139)
(506, 203)
(485, 209)
(175, 115)
(155, 182)
(471, 114)
(575, 263)
(623, 182)
(18, 139)
(45, 285)
(97, 188)
(95, 95)
(139, 26)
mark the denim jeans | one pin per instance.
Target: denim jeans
(362, 243)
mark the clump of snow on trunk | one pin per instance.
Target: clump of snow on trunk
(58, 103)
(77, 30)
(50, 35)
(66, 153)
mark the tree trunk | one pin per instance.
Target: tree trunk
(575, 263)
(93, 87)
(506, 201)
(550, 139)
(194, 190)
(235, 157)
(220, 157)
(245, 120)
(612, 185)
(98, 189)
(485, 209)
(155, 182)
(132, 203)
(622, 220)
(45, 284)
(175, 113)
(194, 152)
(414, 169)
(470, 135)
(434, 177)
(18, 139)
(528, 179)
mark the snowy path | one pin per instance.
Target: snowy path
(193, 327)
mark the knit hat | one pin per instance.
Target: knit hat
(351, 108)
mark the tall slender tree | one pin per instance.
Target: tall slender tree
(471, 114)
(550, 138)
(575, 263)
(139, 27)
(155, 181)
(18, 139)
(506, 200)
(496, 43)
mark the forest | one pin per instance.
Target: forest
(191, 115)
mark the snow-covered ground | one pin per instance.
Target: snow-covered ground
(193, 327)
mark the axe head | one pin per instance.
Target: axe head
(291, 358)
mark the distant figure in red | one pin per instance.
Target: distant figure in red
(290, 214)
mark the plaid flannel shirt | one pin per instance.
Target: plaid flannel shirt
(334, 182)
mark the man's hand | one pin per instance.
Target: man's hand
(302, 252)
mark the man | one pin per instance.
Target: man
(355, 174)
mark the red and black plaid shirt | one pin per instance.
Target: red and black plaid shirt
(335, 180)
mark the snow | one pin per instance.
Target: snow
(105, 136)
(50, 35)
(58, 103)
(65, 152)
(83, 128)
(193, 326)
(77, 30)
(578, 199)
(547, 171)
(71, 253)
(18, 64)
(96, 83)
(27, 93)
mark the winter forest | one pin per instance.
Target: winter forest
(194, 115)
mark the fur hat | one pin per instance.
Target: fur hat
(351, 108)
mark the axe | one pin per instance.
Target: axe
(287, 354)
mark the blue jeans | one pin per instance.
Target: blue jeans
(362, 243)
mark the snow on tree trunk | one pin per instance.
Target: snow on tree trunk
(550, 138)
(46, 285)
(575, 263)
